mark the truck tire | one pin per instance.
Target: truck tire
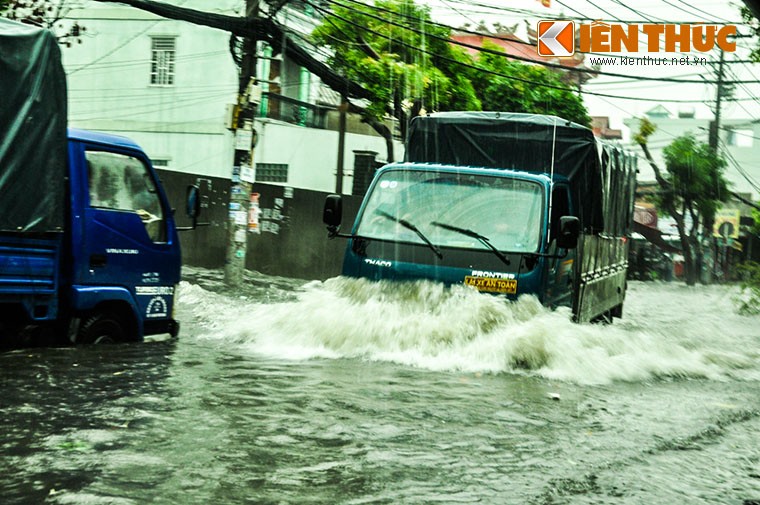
(101, 328)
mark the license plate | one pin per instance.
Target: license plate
(491, 285)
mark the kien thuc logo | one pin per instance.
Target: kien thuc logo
(556, 38)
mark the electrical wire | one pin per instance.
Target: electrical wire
(690, 6)
(639, 13)
(495, 36)
(730, 157)
(112, 51)
(728, 154)
(495, 52)
(511, 77)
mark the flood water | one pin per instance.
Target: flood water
(351, 392)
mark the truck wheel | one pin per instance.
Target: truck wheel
(101, 328)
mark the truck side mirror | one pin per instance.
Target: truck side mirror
(193, 202)
(569, 230)
(332, 215)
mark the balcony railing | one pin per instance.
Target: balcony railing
(293, 111)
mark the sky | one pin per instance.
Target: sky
(699, 97)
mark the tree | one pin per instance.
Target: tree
(513, 89)
(407, 63)
(47, 14)
(693, 186)
(750, 19)
(749, 302)
(399, 56)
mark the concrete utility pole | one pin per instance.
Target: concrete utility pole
(237, 222)
(341, 145)
(714, 142)
(715, 125)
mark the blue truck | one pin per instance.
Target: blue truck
(89, 251)
(507, 203)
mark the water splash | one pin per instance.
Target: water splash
(426, 325)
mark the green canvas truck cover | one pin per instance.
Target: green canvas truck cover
(533, 143)
(33, 144)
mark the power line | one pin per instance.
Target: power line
(497, 36)
(580, 16)
(502, 53)
(149, 108)
(112, 51)
(697, 9)
(638, 13)
(752, 182)
(490, 72)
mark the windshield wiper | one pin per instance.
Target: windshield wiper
(470, 233)
(410, 226)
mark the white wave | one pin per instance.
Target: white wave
(425, 325)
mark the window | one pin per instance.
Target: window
(162, 61)
(271, 172)
(739, 138)
(120, 182)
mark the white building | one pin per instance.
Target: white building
(168, 84)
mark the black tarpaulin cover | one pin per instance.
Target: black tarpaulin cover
(33, 146)
(529, 142)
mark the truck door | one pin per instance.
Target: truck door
(125, 235)
(559, 275)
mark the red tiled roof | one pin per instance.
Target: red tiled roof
(511, 45)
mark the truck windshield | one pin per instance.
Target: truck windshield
(504, 210)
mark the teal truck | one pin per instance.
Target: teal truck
(507, 203)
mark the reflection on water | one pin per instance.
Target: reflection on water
(352, 392)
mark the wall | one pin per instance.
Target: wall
(292, 240)
(109, 86)
(206, 245)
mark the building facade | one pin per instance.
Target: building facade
(170, 85)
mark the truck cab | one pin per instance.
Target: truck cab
(125, 256)
(489, 229)
(110, 272)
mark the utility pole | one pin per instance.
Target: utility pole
(240, 190)
(715, 125)
(341, 145)
(714, 143)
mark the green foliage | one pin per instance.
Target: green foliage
(755, 228)
(646, 129)
(695, 173)
(749, 303)
(514, 94)
(392, 62)
(398, 65)
(754, 24)
(693, 186)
